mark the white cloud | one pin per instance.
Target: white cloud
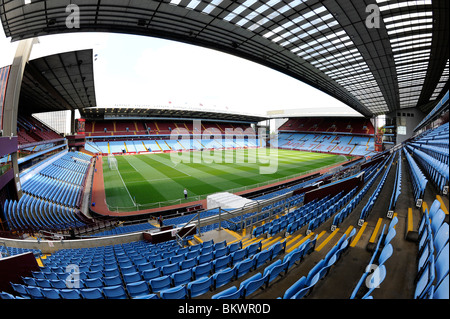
(136, 70)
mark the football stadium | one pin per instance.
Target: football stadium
(185, 201)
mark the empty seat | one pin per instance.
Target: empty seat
(178, 292)
(70, 294)
(202, 270)
(93, 283)
(112, 281)
(221, 263)
(131, 277)
(262, 257)
(199, 286)
(223, 277)
(92, 293)
(230, 293)
(151, 274)
(35, 292)
(274, 270)
(243, 267)
(115, 292)
(441, 291)
(160, 283)
(253, 283)
(51, 293)
(181, 277)
(138, 288)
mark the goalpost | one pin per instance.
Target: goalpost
(112, 162)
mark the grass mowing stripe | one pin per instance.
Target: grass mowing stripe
(154, 178)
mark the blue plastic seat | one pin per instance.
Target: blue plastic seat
(230, 293)
(199, 286)
(385, 254)
(151, 274)
(29, 281)
(94, 274)
(92, 293)
(131, 277)
(149, 296)
(205, 258)
(160, 283)
(238, 256)
(221, 263)
(111, 272)
(188, 263)
(43, 283)
(70, 294)
(35, 292)
(425, 281)
(309, 285)
(93, 283)
(441, 239)
(181, 277)
(50, 293)
(442, 265)
(437, 221)
(169, 269)
(252, 284)
(5, 295)
(243, 267)
(178, 292)
(115, 292)
(274, 270)
(375, 280)
(20, 289)
(112, 281)
(202, 270)
(442, 290)
(138, 288)
(262, 257)
(294, 288)
(223, 277)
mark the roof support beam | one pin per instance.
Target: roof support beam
(12, 100)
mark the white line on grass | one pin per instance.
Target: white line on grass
(118, 171)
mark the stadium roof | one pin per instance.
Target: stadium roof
(118, 113)
(400, 63)
(63, 81)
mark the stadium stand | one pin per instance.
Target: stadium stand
(374, 227)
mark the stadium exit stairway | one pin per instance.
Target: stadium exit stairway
(345, 274)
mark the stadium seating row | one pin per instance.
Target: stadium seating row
(433, 255)
(371, 174)
(112, 147)
(371, 202)
(34, 213)
(335, 144)
(305, 284)
(51, 197)
(324, 125)
(270, 273)
(213, 266)
(397, 188)
(419, 180)
(375, 272)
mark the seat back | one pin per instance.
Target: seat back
(160, 283)
(92, 293)
(115, 292)
(178, 292)
(222, 277)
(138, 288)
(199, 286)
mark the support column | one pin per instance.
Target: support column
(12, 96)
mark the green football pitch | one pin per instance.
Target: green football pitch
(154, 180)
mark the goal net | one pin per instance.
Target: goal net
(112, 162)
